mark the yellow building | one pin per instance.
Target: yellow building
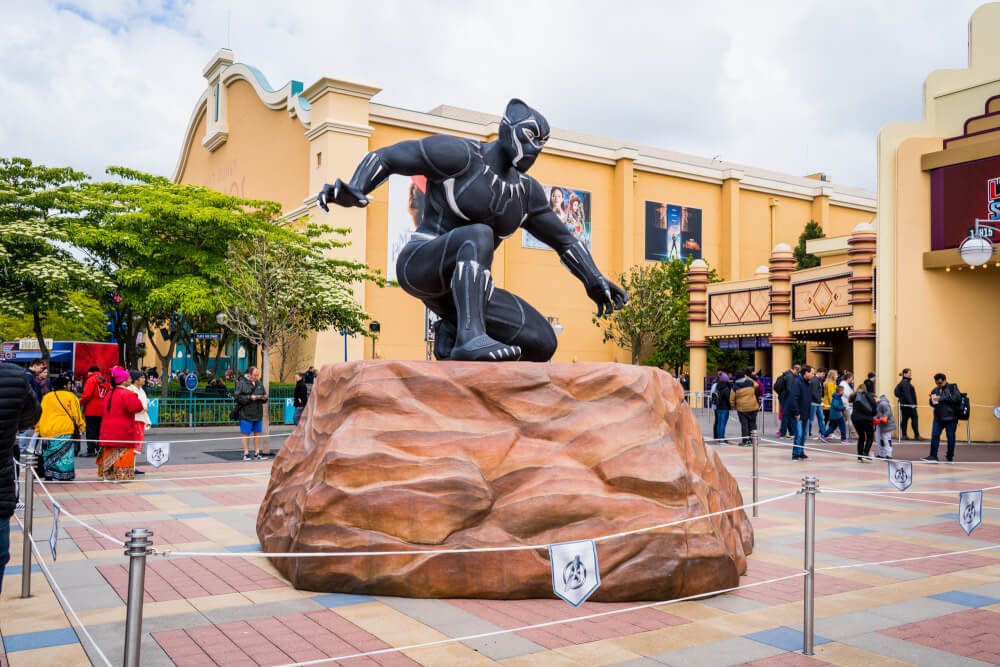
(639, 203)
(898, 294)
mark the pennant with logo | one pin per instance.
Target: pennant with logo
(970, 510)
(901, 474)
(574, 570)
(54, 535)
(157, 453)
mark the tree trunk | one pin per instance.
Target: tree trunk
(42, 348)
(265, 375)
(164, 361)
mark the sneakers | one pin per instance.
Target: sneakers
(247, 457)
(929, 459)
(822, 438)
(260, 456)
(843, 442)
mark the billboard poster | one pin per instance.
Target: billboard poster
(672, 231)
(960, 195)
(572, 207)
(406, 211)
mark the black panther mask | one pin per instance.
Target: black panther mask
(523, 132)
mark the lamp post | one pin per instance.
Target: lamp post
(977, 249)
(223, 319)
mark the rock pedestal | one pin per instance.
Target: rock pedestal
(411, 455)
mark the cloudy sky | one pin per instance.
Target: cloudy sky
(796, 87)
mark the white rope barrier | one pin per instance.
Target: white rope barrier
(67, 607)
(536, 626)
(931, 492)
(424, 552)
(906, 497)
(72, 516)
(774, 444)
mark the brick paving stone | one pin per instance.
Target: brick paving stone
(868, 548)
(787, 660)
(167, 531)
(789, 590)
(212, 480)
(972, 634)
(104, 504)
(237, 497)
(986, 532)
(825, 508)
(183, 578)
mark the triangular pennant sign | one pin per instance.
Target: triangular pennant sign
(970, 510)
(901, 474)
(574, 570)
(157, 453)
(54, 535)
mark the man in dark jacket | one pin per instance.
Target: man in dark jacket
(906, 394)
(782, 386)
(250, 398)
(945, 399)
(816, 396)
(18, 410)
(797, 406)
(300, 397)
(35, 369)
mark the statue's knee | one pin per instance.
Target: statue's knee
(475, 243)
(539, 345)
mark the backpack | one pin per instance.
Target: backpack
(964, 407)
(779, 385)
(863, 405)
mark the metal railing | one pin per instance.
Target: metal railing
(209, 411)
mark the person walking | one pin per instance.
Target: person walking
(906, 394)
(884, 426)
(829, 389)
(19, 410)
(723, 404)
(782, 387)
(798, 405)
(816, 395)
(847, 382)
(863, 415)
(60, 427)
(745, 393)
(299, 397)
(250, 398)
(310, 378)
(945, 399)
(142, 421)
(837, 411)
(35, 368)
(870, 383)
(116, 462)
(95, 388)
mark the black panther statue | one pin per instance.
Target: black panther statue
(477, 195)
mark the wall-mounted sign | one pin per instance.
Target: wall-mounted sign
(672, 231)
(572, 207)
(960, 194)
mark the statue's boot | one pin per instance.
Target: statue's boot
(444, 339)
(472, 287)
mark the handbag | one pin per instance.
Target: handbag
(76, 429)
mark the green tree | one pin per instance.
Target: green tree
(164, 246)
(804, 260)
(55, 324)
(656, 314)
(38, 272)
(280, 284)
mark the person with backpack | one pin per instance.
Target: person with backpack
(863, 416)
(884, 426)
(816, 411)
(745, 393)
(906, 394)
(94, 390)
(721, 401)
(837, 412)
(946, 400)
(782, 387)
(798, 405)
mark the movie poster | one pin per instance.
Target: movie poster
(572, 207)
(406, 211)
(672, 232)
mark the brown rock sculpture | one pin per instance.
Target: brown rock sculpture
(411, 455)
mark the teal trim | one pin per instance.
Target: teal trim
(305, 103)
(297, 87)
(261, 79)
(216, 103)
(211, 411)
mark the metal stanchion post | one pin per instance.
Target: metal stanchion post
(968, 429)
(29, 465)
(809, 487)
(755, 440)
(899, 422)
(137, 548)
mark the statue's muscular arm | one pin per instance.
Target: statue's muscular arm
(543, 223)
(438, 157)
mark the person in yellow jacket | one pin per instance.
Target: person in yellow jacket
(61, 418)
(829, 389)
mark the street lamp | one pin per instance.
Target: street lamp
(977, 249)
(554, 322)
(223, 320)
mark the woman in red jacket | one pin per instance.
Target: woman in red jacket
(116, 462)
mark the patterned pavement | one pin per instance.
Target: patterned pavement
(239, 610)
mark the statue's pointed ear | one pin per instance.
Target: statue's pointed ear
(516, 110)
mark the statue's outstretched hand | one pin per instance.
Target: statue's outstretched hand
(342, 194)
(608, 297)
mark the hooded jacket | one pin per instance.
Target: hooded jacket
(18, 410)
(95, 389)
(745, 394)
(884, 411)
(905, 392)
(798, 403)
(947, 407)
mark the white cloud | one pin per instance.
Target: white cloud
(790, 86)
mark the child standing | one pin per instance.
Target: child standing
(836, 416)
(885, 425)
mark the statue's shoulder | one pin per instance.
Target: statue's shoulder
(537, 201)
(449, 156)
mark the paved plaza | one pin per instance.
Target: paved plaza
(210, 610)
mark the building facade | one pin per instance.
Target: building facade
(632, 204)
